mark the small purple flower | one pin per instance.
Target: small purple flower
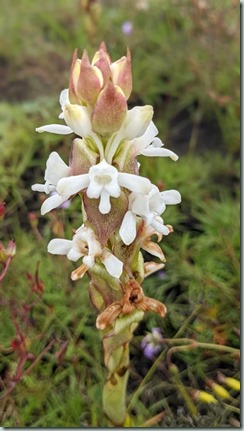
(151, 343)
(127, 28)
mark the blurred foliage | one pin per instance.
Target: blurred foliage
(186, 64)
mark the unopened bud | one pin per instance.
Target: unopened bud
(220, 391)
(205, 397)
(229, 381)
(121, 74)
(90, 81)
(233, 383)
(5, 253)
(109, 111)
(11, 249)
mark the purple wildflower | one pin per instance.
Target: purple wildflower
(127, 28)
(151, 343)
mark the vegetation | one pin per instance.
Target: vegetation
(186, 64)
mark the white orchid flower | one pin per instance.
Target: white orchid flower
(103, 181)
(55, 170)
(139, 128)
(76, 117)
(149, 207)
(85, 244)
(78, 120)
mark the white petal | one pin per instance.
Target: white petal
(159, 226)
(143, 141)
(59, 246)
(78, 119)
(74, 254)
(171, 197)
(112, 264)
(157, 203)
(127, 230)
(38, 188)
(140, 205)
(152, 151)
(134, 183)
(59, 129)
(137, 121)
(52, 202)
(56, 168)
(113, 189)
(89, 261)
(72, 185)
(64, 97)
(149, 217)
(88, 236)
(44, 188)
(104, 205)
(157, 143)
(94, 190)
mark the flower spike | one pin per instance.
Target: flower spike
(121, 210)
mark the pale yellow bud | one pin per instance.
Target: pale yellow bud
(233, 383)
(205, 397)
(220, 391)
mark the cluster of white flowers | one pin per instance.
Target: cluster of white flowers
(103, 180)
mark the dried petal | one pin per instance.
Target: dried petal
(150, 304)
(108, 315)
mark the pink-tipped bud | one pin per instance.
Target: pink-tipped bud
(8, 252)
(121, 74)
(11, 249)
(90, 81)
(73, 78)
(102, 61)
(109, 111)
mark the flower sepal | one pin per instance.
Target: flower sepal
(125, 159)
(82, 156)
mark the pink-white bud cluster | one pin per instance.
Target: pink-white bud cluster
(103, 86)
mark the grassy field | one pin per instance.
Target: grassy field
(185, 59)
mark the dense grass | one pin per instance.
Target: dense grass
(185, 63)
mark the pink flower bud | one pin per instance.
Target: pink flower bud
(102, 60)
(11, 249)
(121, 74)
(90, 81)
(6, 253)
(110, 110)
(73, 78)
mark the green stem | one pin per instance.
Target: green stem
(114, 391)
(194, 344)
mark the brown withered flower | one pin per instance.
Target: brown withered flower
(132, 299)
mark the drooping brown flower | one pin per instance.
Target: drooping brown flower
(132, 299)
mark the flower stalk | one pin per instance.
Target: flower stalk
(121, 210)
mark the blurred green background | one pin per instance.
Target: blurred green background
(185, 62)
